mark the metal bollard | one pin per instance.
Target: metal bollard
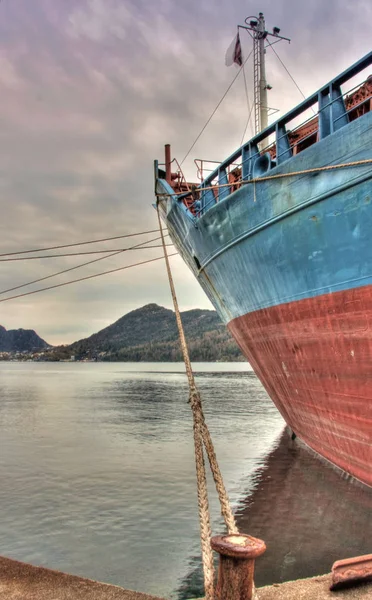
(235, 574)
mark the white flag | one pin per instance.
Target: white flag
(234, 53)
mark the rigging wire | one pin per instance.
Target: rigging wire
(117, 237)
(246, 125)
(250, 108)
(215, 110)
(285, 68)
(79, 253)
(89, 262)
(58, 285)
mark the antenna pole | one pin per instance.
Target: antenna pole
(263, 85)
(257, 28)
(256, 83)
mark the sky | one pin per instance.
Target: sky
(91, 90)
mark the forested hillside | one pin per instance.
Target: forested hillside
(150, 334)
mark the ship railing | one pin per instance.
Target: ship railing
(177, 177)
(181, 179)
(201, 167)
(204, 166)
(255, 161)
(297, 145)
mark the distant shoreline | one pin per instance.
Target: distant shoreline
(147, 334)
(29, 360)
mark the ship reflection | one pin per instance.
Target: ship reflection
(308, 513)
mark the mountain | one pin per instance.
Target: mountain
(20, 340)
(150, 334)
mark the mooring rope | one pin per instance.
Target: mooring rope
(201, 437)
(357, 163)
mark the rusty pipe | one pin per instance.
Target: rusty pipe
(351, 571)
(168, 160)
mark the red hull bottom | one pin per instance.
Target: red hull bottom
(314, 357)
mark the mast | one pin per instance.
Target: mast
(264, 109)
(257, 29)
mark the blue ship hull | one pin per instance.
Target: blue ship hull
(287, 263)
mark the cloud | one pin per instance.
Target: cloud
(99, 20)
(90, 92)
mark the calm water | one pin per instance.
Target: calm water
(97, 471)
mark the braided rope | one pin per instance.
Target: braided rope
(226, 511)
(201, 436)
(203, 504)
(357, 163)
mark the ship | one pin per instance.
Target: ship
(279, 236)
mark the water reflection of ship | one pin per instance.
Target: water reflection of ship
(307, 511)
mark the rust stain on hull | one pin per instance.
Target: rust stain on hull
(314, 358)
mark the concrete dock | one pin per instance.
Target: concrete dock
(21, 581)
(315, 588)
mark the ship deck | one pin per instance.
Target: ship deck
(21, 581)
